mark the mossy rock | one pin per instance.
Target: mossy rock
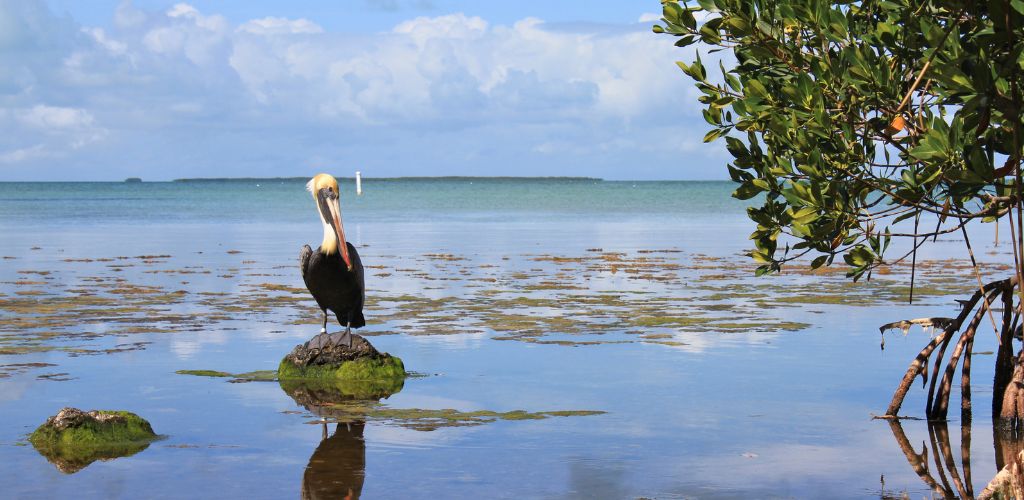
(354, 360)
(384, 370)
(73, 439)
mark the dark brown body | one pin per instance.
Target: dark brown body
(334, 286)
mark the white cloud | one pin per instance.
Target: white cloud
(55, 117)
(457, 85)
(127, 16)
(280, 26)
(54, 129)
(20, 155)
(453, 26)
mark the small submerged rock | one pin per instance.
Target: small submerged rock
(72, 439)
(326, 359)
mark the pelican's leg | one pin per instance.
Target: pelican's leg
(323, 329)
(341, 338)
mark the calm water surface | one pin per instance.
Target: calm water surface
(741, 412)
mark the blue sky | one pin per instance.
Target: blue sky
(108, 89)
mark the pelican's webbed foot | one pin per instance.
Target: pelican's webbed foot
(339, 339)
(336, 339)
(319, 342)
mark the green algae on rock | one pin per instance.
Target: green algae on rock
(358, 361)
(384, 368)
(73, 439)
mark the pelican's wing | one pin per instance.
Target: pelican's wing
(304, 256)
(357, 267)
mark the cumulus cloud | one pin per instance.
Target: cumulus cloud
(453, 93)
(23, 154)
(280, 26)
(397, 5)
(53, 118)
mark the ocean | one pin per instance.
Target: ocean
(570, 338)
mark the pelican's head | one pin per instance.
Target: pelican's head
(325, 191)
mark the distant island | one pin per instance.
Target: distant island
(133, 180)
(438, 178)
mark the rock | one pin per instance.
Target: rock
(326, 357)
(72, 439)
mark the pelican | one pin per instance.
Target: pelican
(333, 273)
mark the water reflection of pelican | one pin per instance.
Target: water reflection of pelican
(338, 465)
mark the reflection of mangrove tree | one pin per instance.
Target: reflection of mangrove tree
(949, 483)
(938, 468)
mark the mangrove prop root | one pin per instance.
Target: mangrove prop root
(929, 405)
(942, 407)
(937, 404)
(1013, 397)
(915, 368)
(1004, 355)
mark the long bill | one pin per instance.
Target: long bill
(335, 208)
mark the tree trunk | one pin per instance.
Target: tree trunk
(1004, 356)
(1013, 396)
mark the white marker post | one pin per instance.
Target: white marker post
(359, 183)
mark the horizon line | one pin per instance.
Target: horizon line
(417, 177)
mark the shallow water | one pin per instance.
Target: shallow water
(624, 298)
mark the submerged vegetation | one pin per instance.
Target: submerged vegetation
(254, 376)
(428, 420)
(204, 373)
(663, 297)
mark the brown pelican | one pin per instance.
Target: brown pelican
(333, 273)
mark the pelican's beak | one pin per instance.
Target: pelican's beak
(332, 211)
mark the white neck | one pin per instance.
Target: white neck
(329, 244)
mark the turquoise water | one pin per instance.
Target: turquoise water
(384, 200)
(754, 389)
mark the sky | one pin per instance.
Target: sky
(109, 89)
